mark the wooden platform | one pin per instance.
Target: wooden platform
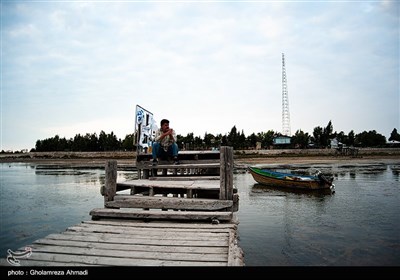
(205, 191)
(181, 217)
(136, 243)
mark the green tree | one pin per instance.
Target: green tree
(109, 142)
(252, 140)
(266, 138)
(370, 139)
(209, 140)
(326, 135)
(317, 137)
(394, 135)
(127, 143)
(232, 137)
(351, 138)
(300, 139)
(241, 141)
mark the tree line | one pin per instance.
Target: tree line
(320, 138)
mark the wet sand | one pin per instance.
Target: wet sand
(370, 159)
(129, 159)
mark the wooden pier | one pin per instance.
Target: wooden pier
(173, 215)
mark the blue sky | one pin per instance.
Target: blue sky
(72, 67)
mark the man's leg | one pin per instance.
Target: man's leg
(155, 151)
(174, 150)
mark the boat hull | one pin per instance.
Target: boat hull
(268, 178)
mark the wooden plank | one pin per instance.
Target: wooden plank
(157, 214)
(184, 184)
(182, 178)
(207, 185)
(132, 254)
(122, 239)
(171, 226)
(190, 165)
(134, 247)
(151, 233)
(160, 202)
(169, 231)
(139, 235)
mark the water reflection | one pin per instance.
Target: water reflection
(79, 175)
(357, 225)
(276, 191)
(395, 172)
(62, 172)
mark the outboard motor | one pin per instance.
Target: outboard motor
(324, 179)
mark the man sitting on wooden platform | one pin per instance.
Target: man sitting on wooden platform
(165, 145)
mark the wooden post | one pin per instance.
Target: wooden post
(226, 173)
(189, 193)
(146, 173)
(111, 181)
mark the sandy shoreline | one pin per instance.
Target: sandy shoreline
(322, 159)
(99, 160)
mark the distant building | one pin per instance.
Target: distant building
(282, 141)
(335, 144)
(393, 143)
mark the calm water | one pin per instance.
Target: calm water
(358, 225)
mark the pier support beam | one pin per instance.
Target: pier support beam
(226, 173)
(111, 181)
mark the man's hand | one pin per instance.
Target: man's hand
(168, 132)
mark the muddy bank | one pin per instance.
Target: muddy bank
(242, 158)
(279, 160)
(75, 159)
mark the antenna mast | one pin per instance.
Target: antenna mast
(285, 102)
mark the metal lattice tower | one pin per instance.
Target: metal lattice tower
(285, 102)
